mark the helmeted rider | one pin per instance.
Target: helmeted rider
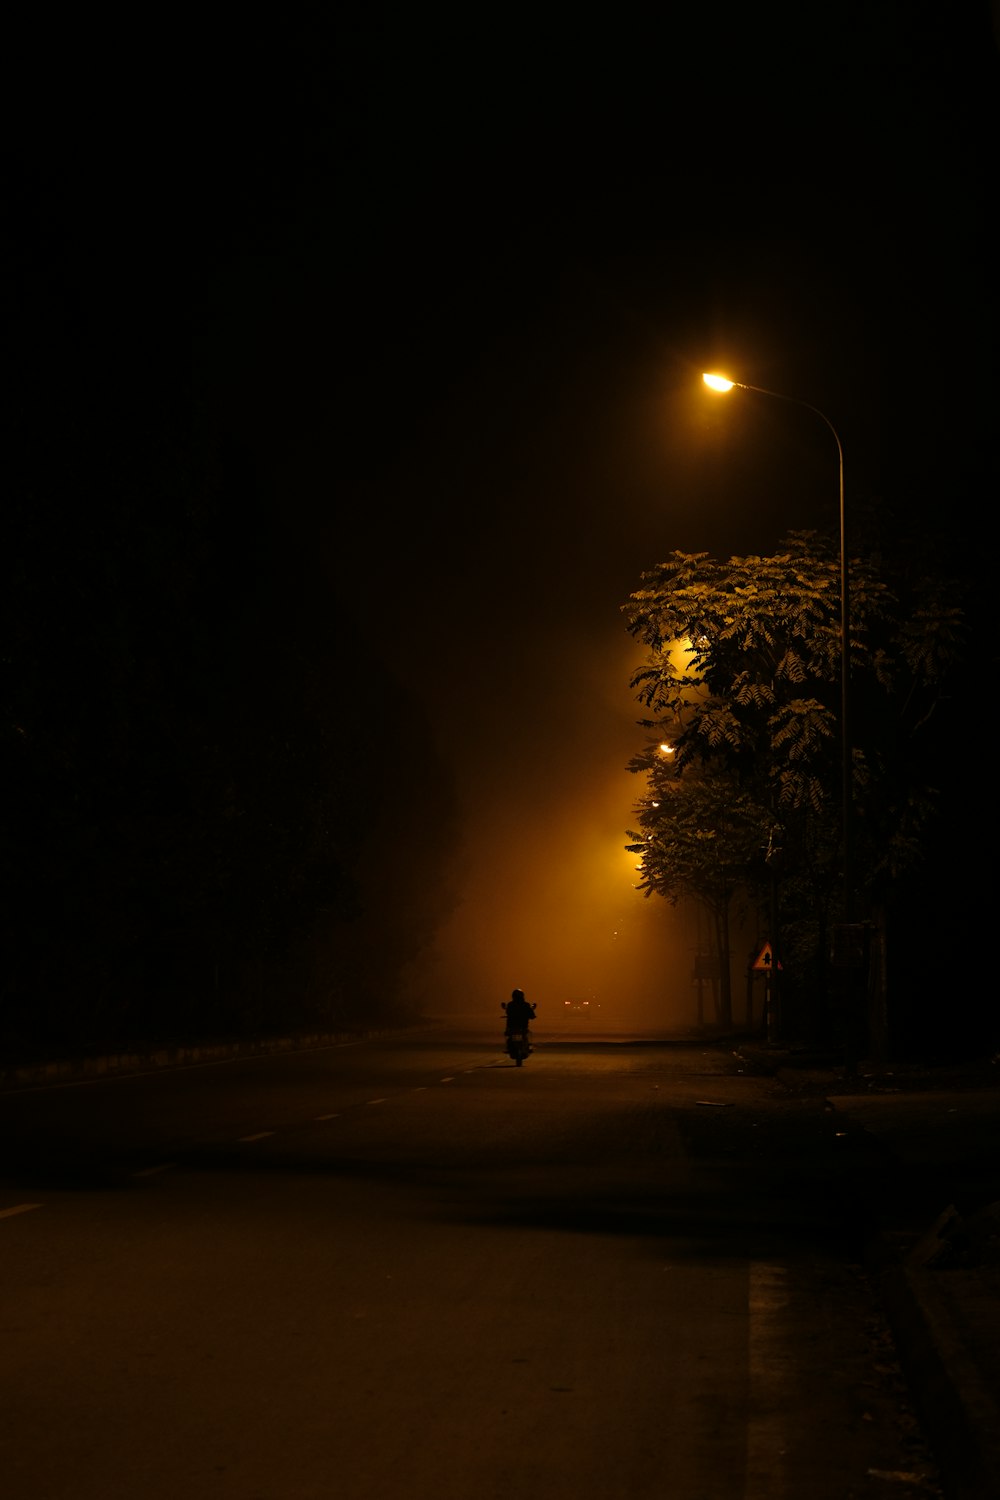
(519, 1012)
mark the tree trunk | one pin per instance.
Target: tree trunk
(878, 1011)
(721, 914)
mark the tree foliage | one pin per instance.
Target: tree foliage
(198, 748)
(698, 833)
(743, 677)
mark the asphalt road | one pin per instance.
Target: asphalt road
(408, 1269)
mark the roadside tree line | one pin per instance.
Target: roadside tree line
(211, 828)
(741, 679)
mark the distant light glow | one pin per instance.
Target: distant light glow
(666, 749)
(718, 382)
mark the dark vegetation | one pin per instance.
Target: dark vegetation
(224, 817)
(742, 678)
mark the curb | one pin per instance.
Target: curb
(960, 1414)
(133, 1062)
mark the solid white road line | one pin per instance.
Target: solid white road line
(771, 1377)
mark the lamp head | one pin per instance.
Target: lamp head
(718, 382)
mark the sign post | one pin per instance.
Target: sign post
(765, 963)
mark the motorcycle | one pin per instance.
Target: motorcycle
(518, 1041)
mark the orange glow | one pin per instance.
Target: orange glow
(555, 904)
(718, 382)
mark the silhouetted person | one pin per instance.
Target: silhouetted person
(519, 1012)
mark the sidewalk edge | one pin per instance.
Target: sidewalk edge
(959, 1414)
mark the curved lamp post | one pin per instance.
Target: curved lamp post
(722, 384)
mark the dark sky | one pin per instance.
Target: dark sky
(448, 285)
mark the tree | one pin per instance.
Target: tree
(198, 744)
(742, 675)
(699, 835)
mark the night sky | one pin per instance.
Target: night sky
(444, 287)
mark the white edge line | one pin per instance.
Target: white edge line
(20, 1208)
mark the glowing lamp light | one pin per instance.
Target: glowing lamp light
(718, 382)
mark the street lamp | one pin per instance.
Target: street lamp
(722, 384)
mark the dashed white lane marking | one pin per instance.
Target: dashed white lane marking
(260, 1135)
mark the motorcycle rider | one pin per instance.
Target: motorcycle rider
(519, 1012)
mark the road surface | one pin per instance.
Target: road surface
(406, 1268)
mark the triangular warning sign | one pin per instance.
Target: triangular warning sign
(765, 959)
